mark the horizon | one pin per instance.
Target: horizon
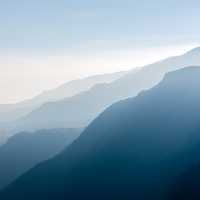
(135, 57)
(45, 44)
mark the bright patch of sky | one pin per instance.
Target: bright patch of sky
(45, 43)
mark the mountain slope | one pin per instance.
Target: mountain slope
(13, 111)
(187, 185)
(80, 110)
(128, 152)
(24, 150)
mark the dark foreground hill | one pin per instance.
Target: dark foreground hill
(25, 150)
(133, 150)
(187, 185)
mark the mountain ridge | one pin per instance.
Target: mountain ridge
(84, 107)
(63, 91)
(24, 150)
(127, 151)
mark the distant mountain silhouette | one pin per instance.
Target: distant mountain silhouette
(13, 111)
(133, 150)
(24, 150)
(81, 109)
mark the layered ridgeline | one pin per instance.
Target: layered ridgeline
(133, 150)
(80, 110)
(13, 111)
(25, 150)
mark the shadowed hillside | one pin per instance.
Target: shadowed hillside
(24, 150)
(128, 152)
(187, 185)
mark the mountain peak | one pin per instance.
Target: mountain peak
(187, 74)
(194, 51)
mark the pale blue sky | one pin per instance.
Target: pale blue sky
(50, 24)
(45, 43)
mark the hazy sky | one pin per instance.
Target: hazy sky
(45, 42)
